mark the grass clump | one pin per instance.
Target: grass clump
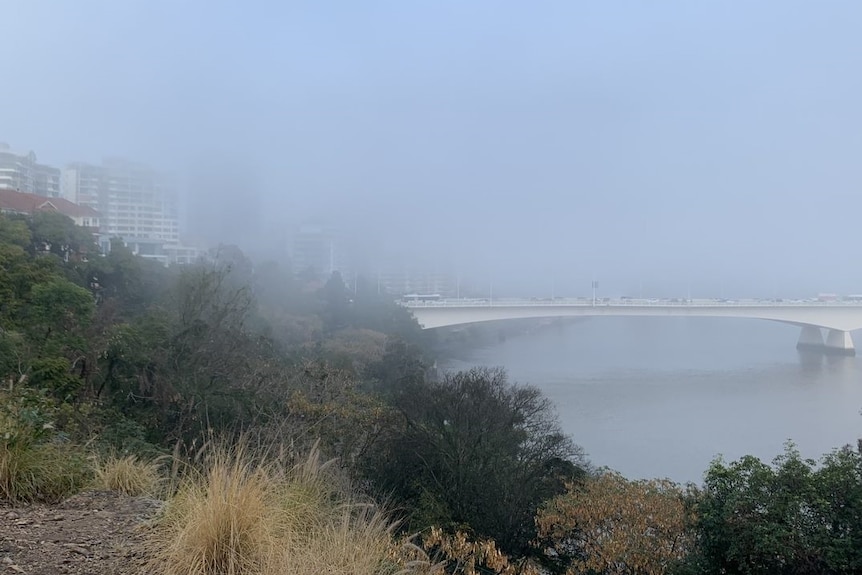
(246, 513)
(130, 475)
(358, 540)
(221, 520)
(33, 472)
(35, 465)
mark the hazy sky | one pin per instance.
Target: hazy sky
(658, 142)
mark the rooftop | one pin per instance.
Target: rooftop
(22, 203)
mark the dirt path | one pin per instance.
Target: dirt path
(93, 533)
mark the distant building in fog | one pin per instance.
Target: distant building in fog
(317, 252)
(12, 202)
(22, 173)
(405, 280)
(137, 204)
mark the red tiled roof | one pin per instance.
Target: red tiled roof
(22, 203)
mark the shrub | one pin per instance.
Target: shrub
(33, 466)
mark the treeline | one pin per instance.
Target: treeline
(118, 355)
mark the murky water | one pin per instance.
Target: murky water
(661, 397)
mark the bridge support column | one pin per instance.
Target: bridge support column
(839, 343)
(811, 339)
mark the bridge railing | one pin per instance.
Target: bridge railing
(604, 302)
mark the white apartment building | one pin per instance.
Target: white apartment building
(137, 204)
(22, 173)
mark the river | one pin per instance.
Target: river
(661, 397)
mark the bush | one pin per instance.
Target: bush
(474, 453)
(33, 466)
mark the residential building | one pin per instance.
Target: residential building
(137, 203)
(22, 173)
(12, 202)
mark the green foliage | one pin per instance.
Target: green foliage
(57, 234)
(475, 452)
(45, 472)
(13, 353)
(58, 311)
(134, 284)
(14, 232)
(400, 367)
(33, 465)
(52, 374)
(793, 517)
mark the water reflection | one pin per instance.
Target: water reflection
(810, 361)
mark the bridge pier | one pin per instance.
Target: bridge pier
(811, 339)
(839, 343)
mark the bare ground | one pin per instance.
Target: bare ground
(92, 533)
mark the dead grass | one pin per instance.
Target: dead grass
(221, 521)
(243, 513)
(129, 475)
(359, 542)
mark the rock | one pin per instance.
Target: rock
(80, 549)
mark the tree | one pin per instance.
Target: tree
(612, 525)
(55, 233)
(354, 349)
(325, 405)
(475, 452)
(336, 311)
(57, 313)
(133, 284)
(789, 518)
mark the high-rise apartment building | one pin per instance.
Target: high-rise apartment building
(137, 204)
(317, 252)
(22, 173)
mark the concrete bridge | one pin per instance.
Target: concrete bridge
(838, 318)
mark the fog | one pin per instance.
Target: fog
(688, 147)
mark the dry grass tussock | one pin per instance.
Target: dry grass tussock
(358, 542)
(243, 513)
(40, 472)
(129, 475)
(222, 519)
